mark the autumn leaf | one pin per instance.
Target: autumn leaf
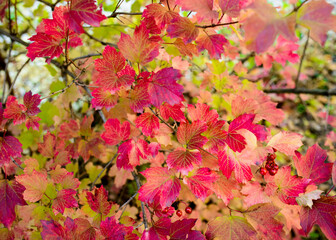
(10, 196)
(115, 132)
(223, 188)
(312, 166)
(10, 147)
(180, 228)
(65, 199)
(110, 229)
(148, 122)
(306, 200)
(35, 184)
(159, 230)
(98, 201)
(139, 98)
(230, 227)
(202, 112)
(175, 112)
(316, 15)
(183, 28)
(104, 98)
(214, 43)
(190, 134)
(200, 182)
(184, 160)
(139, 48)
(203, 8)
(231, 7)
(162, 15)
(161, 183)
(323, 214)
(286, 142)
(285, 186)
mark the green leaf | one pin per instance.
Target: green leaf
(48, 111)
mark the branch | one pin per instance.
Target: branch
(216, 25)
(127, 202)
(14, 38)
(86, 56)
(136, 178)
(6, 73)
(115, 14)
(102, 42)
(320, 92)
(16, 163)
(301, 60)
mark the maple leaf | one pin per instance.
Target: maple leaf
(175, 112)
(312, 165)
(230, 227)
(162, 15)
(285, 186)
(231, 7)
(195, 235)
(148, 122)
(47, 147)
(261, 217)
(24, 112)
(306, 200)
(182, 27)
(83, 11)
(264, 24)
(190, 134)
(10, 147)
(159, 230)
(229, 163)
(10, 196)
(213, 43)
(110, 229)
(103, 98)
(115, 132)
(323, 214)
(180, 228)
(317, 16)
(188, 49)
(184, 160)
(286, 142)
(204, 8)
(216, 135)
(35, 184)
(130, 153)
(162, 87)
(255, 194)
(161, 183)
(64, 178)
(223, 188)
(202, 112)
(200, 182)
(139, 48)
(52, 230)
(65, 199)
(109, 69)
(139, 98)
(99, 201)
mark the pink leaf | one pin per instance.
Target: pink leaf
(10, 147)
(213, 43)
(148, 122)
(190, 134)
(204, 8)
(179, 229)
(65, 199)
(99, 201)
(35, 184)
(175, 112)
(182, 27)
(110, 229)
(184, 160)
(115, 132)
(286, 142)
(103, 98)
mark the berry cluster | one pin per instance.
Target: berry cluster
(270, 166)
(179, 213)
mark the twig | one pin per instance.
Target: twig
(320, 92)
(167, 124)
(86, 56)
(216, 25)
(301, 60)
(47, 3)
(6, 71)
(115, 14)
(101, 172)
(13, 160)
(14, 38)
(100, 41)
(127, 202)
(136, 178)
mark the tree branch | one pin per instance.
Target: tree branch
(14, 38)
(301, 60)
(137, 180)
(86, 56)
(115, 14)
(321, 92)
(216, 25)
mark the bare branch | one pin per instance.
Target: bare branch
(137, 180)
(86, 56)
(216, 25)
(6, 73)
(14, 38)
(320, 92)
(115, 14)
(301, 60)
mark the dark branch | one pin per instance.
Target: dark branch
(137, 180)
(320, 92)
(14, 38)
(216, 25)
(301, 60)
(86, 56)
(115, 14)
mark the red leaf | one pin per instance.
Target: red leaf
(98, 202)
(229, 163)
(182, 27)
(179, 229)
(285, 186)
(83, 11)
(110, 229)
(65, 199)
(230, 227)
(47, 147)
(200, 182)
(312, 166)
(213, 43)
(190, 134)
(162, 87)
(184, 160)
(35, 184)
(323, 214)
(286, 142)
(223, 188)
(317, 16)
(334, 173)
(202, 112)
(162, 15)
(52, 230)
(161, 183)
(115, 132)
(148, 122)
(231, 7)
(103, 98)
(109, 70)
(140, 48)
(10, 196)
(10, 147)
(159, 230)
(204, 8)
(175, 112)
(130, 153)
(216, 135)
(139, 98)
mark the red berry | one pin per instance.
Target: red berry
(188, 210)
(272, 156)
(274, 150)
(276, 167)
(272, 172)
(165, 211)
(263, 171)
(269, 166)
(179, 213)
